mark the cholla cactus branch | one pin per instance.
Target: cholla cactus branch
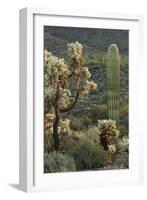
(72, 105)
(108, 131)
(57, 79)
(56, 122)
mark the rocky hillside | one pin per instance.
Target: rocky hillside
(96, 43)
(56, 38)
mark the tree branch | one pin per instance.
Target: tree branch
(72, 105)
(56, 122)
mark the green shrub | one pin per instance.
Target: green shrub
(79, 123)
(123, 130)
(124, 117)
(92, 134)
(76, 124)
(99, 112)
(87, 155)
(86, 122)
(76, 136)
(58, 162)
(123, 144)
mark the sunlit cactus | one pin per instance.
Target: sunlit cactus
(59, 74)
(113, 82)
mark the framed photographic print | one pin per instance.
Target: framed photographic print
(80, 125)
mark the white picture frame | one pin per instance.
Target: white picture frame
(31, 175)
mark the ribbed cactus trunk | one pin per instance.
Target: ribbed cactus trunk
(113, 82)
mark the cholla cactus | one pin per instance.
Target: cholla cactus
(57, 77)
(112, 148)
(89, 85)
(108, 131)
(55, 68)
(65, 95)
(123, 144)
(75, 51)
(65, 125)
(49, 119)
(85, 74)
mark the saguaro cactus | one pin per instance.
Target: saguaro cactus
(113, 82)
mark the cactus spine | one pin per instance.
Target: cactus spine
(113, 82)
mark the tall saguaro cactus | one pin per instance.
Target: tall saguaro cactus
(113, 82)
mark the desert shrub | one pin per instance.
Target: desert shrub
(123, 130)
(87, 155)
(121, 161)
(99, 112)
(58, 162)
(103, 98)
(92, 134)
(77, 135)
(86, 121)
(124, 108)
(76, 124)
(47, 143)
(124, 121)
(79, 123)
(123, 144)
(64, 134)
(124, 116)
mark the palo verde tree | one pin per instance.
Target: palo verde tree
(59, 77)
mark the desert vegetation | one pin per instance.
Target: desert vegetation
(85, 101)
